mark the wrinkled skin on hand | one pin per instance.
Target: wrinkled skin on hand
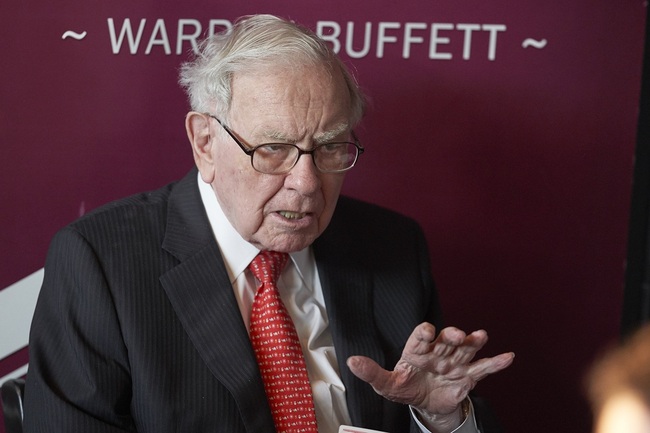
(434, 374)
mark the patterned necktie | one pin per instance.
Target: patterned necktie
(278, 352)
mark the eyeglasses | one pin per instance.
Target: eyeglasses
(279, 158)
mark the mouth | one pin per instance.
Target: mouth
(292, 215)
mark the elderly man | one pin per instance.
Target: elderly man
(179, 310)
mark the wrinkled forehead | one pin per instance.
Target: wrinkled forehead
(308, 93)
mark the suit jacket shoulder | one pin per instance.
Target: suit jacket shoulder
(137, 327)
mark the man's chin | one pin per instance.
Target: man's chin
(286, 243)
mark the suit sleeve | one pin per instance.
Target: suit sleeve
(78, 378)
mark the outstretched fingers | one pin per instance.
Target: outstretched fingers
(423, 340)
(435, 373)
(486, 366)
(451, 347)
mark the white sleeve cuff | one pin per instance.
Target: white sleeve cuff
(467, 426)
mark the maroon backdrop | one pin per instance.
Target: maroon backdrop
(515, 156)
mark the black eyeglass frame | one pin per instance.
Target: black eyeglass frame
(301, 152)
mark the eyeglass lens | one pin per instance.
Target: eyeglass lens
(328, 157)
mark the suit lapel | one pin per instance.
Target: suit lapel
(348, 297)
(202, 296)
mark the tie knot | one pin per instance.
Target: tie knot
(268, 265)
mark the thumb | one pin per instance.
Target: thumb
(368, 370)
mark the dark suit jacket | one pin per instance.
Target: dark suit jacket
(137, 327)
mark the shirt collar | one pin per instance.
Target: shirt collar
(237, 253)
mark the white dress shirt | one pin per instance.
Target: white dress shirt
(302, 295)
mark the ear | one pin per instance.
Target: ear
(197, 126)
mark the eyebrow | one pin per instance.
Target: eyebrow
(325, 137)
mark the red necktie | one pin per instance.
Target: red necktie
(278, 352)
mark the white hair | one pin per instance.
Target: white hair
(254, 41)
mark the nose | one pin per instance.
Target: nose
(304, 177)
